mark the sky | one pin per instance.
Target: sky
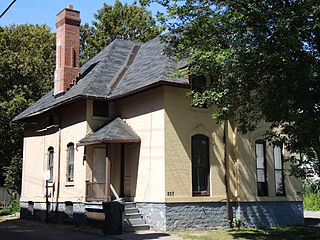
(44, 11)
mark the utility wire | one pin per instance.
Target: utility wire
(7, 8)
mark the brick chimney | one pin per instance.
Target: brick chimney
(68, 50)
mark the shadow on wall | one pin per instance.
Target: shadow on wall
(271, 214)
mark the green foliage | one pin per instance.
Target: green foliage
(13, 173)
(311, 194)
(263, 59)
(118, 21)
(311, 201)
(13, 208)
(27, 62)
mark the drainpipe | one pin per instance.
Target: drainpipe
(226, 167)
(59, 160)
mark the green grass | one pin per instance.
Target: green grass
(284, 233)
(11, 209)
(311, 201)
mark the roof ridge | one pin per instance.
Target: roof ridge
(108, 58)
(122, 71)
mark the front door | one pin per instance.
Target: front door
(99, 165)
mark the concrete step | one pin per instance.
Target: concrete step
(133, 222)
(130, 210)
(132, 216)
(135, 228)
(130, 205)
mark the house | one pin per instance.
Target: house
(124, 121)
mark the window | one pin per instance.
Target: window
(262, 184)
(50, 162)
(100, 108)
(200, 165)
(198, 83)
(70, 162)
(278, 171)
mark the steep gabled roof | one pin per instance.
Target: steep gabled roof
(123, 67)
(116, 131)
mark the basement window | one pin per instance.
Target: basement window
(262, 184)
(30, 208)
(100, 109)
(69, 209)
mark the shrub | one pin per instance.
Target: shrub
(11, 209)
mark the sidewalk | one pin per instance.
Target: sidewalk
(14, 228)
(312, 218)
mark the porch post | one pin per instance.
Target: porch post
(107, 186)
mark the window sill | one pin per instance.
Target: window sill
(69, 184)
(203, 194)
(100, 118)
(200, 109)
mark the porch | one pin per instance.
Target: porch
(112, 155)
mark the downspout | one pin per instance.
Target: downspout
(226, 167)
(59, 160)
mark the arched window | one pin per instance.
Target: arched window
(200, 165)
(70, 162)
(262, 184)
(50, 162)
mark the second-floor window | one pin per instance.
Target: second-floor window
(198, 83)
(70, 162)
(50, 162)
(262, 184)
(278, 171)
(100, 109)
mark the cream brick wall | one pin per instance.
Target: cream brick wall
(182, 122)
(144, 112)
(37, 140)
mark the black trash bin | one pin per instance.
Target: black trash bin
(113, 217)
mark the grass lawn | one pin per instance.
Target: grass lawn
(284, 233)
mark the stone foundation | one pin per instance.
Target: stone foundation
(184, 216)
(213, 215)
(58, 212)
(269, 214)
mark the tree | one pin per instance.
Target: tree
(118, 21)
(263, 59)
(27, 62)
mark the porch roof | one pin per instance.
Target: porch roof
(117, 131)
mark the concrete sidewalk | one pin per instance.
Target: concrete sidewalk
(312, 218)
(14, 228)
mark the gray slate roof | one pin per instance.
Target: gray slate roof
(115, 131)
(106, 75)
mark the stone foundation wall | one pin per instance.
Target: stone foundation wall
(269, 214)
(58, 213)
(184, 216)
(213, 215)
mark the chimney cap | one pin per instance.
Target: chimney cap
(69, 6)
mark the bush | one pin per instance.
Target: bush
(11, 209)
(311, 194)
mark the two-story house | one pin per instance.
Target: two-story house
(124, 121)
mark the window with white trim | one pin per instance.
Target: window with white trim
(278, 171)
(70, 162)
(50, 162)
(262, 184)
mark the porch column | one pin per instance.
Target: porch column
(107, 186)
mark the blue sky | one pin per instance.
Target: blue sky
(44, 11)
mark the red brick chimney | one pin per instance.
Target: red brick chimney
(68, 49)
